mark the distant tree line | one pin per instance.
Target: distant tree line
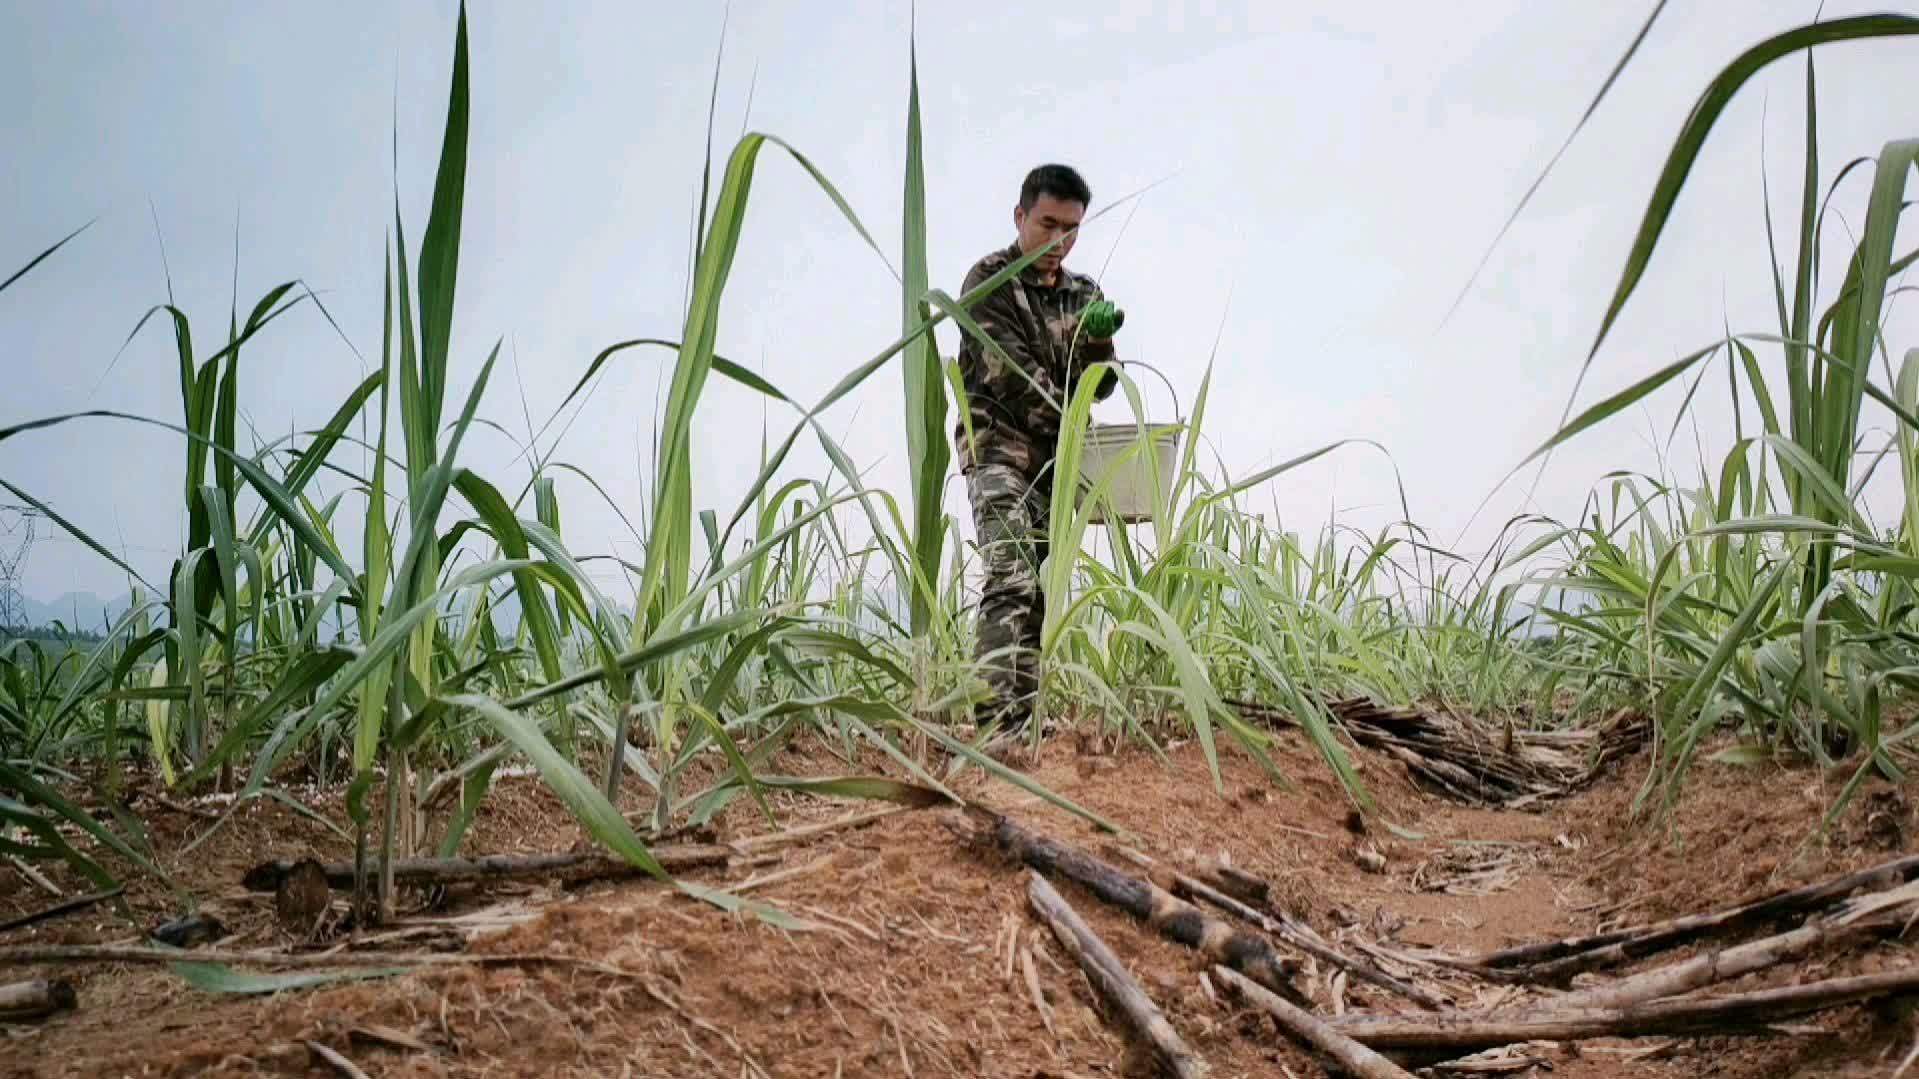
(53, 632)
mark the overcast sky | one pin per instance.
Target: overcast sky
(1328, 175)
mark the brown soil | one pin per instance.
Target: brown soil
(901, 974)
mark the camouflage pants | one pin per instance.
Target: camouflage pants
(1010, 517)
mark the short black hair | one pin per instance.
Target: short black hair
(1059, 181)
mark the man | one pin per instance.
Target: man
(1046, 325)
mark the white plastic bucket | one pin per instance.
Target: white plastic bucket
(1133, 488)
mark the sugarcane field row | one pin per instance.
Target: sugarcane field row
(1059, 738)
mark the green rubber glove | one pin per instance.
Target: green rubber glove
(1101, 319)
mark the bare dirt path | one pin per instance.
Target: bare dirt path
(905, 969)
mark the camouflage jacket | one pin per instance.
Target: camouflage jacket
(1036, 326)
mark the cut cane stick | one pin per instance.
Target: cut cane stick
(1354, 1057)
(1110, 978)
(1457, 1034)
(37, 999)
(1174, 918)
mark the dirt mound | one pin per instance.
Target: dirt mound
(1736, 830)
(913, 961)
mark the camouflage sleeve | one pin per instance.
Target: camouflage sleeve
(985, 367)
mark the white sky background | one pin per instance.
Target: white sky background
(1335, 170)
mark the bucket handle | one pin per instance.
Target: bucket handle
(1178, 412)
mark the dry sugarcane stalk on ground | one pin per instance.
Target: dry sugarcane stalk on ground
(62, 908)
(580, 865)
(1478, 762)
(1302, 937)
(1646, 1004)
(1236, 882)
(1174, 918)
(1356, 1059)
(1650, 1003)
(566, 865)
(1866, 916)
(1654, 1002)
(1460, 1033)
(36, 999)
(1108, 975)
(1556, 962)
(1281, 925)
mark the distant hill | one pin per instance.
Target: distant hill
(78, 610)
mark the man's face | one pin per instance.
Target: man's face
(1048, 219)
